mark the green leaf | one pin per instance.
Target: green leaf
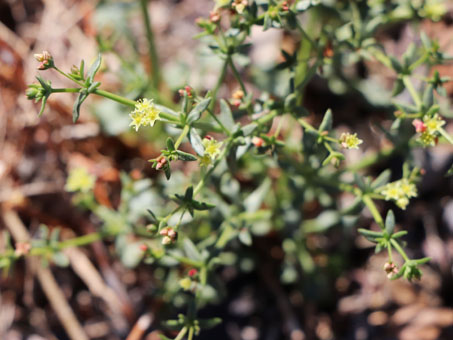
(184, 156)
(191, 250)
(370, 235)
(93, 70)
(196, 112)
(201, 205)
(170, 144)
(390, 222)
(399, 234)
(326, 124)
(226, 116)
(245, 237)
(382, 179)
(253, 202)
(209, 323)
(189, 194)
(398, 87)
(60, 259)
(77, 104)
(167, 171)
(428, 96)
(196, 142)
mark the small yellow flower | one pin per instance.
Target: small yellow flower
(211, 147)
(350, 141)
(205, 160)
(185, 283)
(434, 123)
(79, 180)
(239, 5)
(145, 113)
(427, 139)
(400, 192)
(408, 188)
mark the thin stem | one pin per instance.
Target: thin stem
(182, 136)
(414, 94)
(400, 250)
(71, 90)
(80, 241)
(389, 249)
(181, 333)
(237, 75)
(445, 135)
(191, 330)
(217, 86)
(374, 211)
(224, 129)
(155, 76)
(68, 76)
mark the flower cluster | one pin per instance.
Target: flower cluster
(45, 59)
(400, 191)
(145, 113)
(79, 180)
(169, 235)
(350, 141)
(429, 129)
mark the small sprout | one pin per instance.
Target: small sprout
(79, 180)
(350, 141)
(185, 283)
(211, 147)
(145, 113)
(45, 59)
(22, 248)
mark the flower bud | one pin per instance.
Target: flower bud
(143, 247)
(45, 59)
(22, 248)
(192, 272)
(166, 240)
(419, 125)
(258, 141)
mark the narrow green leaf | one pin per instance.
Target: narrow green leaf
(93, 70)
(226, 116)
(196, 142)
(170, 144)
(184, 156)
(326, 124)
(196, 112)
(390, 222)
(191, 250)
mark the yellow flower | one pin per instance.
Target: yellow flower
(185, 283)
(350, 141)
(145, 113)
(79, 180)
(211, 147)
(434, 123)
(400, 191)
(205, 160)
(427, 139)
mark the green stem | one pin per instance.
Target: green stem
(445, 135)
(414, 94)
(71, 90)
(182, 136)
(389, 249)
(155, 76)
(218, 84)
(237, 75)
(181, 333)
(400, 250)
(374, 211)
(224, 129)
(80, 241)
(68, 76)
(191, 330)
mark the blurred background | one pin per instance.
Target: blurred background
(108, 297)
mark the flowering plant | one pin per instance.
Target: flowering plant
(290, 156)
